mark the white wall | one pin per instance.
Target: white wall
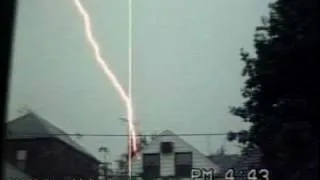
(167, 161)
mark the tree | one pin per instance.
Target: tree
(154, 136)
(221, 151)
(280, 89)
(104, 165)
(105, 151)
(121, 164)
(144, 141)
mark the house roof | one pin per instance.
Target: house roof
(31, 125)
(247, 161)
(170, 133)
(11, 172)
(225, 160)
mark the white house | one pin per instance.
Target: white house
(168, 155)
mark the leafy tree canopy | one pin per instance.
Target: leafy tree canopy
(281, 88)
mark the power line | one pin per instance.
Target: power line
(116, 135)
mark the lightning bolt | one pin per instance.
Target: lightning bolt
(102, 63)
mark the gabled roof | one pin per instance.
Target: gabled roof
(250, 160)
(31, 126)
(170, 133)
(11, 172)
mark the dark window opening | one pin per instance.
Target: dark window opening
(21, 158)
(151, 165)
(166, 147)
(183, 164)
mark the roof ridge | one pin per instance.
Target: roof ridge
(18, 118)
(43, 119)
(51, 130)
(71, 141)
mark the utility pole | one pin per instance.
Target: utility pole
(128, 147)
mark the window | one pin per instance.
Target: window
(21, 157)
(166, 147)
(151, 165)
(183, 164)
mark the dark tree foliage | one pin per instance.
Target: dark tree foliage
(281, 90)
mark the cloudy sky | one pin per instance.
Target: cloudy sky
(186, 66)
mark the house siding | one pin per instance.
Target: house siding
(63, 161)
(167, 162)
(167, 167)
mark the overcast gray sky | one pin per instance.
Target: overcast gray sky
(186, 66)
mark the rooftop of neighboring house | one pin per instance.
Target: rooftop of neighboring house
(247, 161)
(11, 172)
(33, 126)
(224, 160)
